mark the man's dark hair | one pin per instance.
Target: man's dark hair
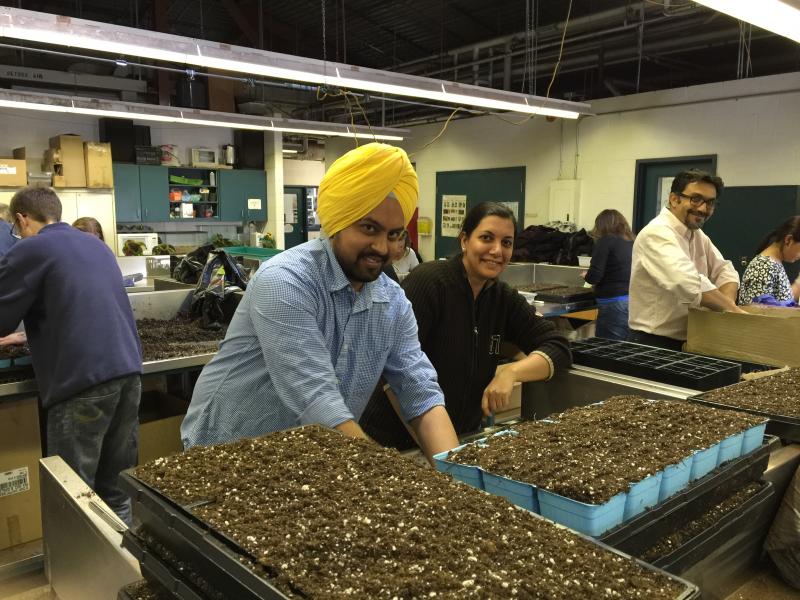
(684, 178)
(38, 203)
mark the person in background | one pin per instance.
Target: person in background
(610, 273)
(765, 274)
(66, 287)
(90, 225)
(319, 324)
(402, 256)
(675, 265)
(465, 313)
(7, 238)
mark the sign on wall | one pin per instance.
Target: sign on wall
(454, 209)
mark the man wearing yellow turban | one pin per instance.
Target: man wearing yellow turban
(319, 324)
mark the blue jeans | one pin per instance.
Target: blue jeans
(612, 320)
(96, 432)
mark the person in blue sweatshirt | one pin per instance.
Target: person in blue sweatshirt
(6, 239)
(67, 288)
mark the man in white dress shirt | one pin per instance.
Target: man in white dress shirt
(675, 265)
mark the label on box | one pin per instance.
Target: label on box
(254, 204)
(7, 170)
(14, 482)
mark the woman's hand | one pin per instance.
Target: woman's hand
(15, 339)
(497, 394)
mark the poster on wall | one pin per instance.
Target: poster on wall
(664, 186)
(454, 209)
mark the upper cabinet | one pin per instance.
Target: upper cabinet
(157, 194)
(243, 195)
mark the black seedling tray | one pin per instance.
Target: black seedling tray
(219, 559)
(656, 364)
(785, 427)
(552, 295)
(636, 535)
(157, 572)
(130, 592)
(691, 552)
(211, 554)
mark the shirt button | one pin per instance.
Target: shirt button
(344, 347)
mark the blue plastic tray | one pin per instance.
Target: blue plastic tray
(469, 474)
(730, 448)
(590, 519)
(521, 494)
(753, 438)
(22, 361)
(5, 363)
(642, 495)
(675, 478)
(704, 461)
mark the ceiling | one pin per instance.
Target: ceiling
(611, 47)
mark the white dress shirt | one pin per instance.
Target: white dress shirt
(671, 267)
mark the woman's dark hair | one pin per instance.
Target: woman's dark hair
(90, 225)
(790, 227)
(485, 209)
(684, 178)
(611, 222)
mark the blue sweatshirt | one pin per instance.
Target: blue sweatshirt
(67, 288)
(6, 239)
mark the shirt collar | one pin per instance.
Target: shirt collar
(674, 223)
(372, 291)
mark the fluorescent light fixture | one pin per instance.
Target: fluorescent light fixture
(174, 114)
(78, 33)
(779, 16)
(288, 151)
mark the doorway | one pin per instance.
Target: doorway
(653, 179)
(300, 222)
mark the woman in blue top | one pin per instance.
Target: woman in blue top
(610, 273)
(765, 274)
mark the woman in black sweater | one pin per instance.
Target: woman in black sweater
(464, 313)
(610, 273)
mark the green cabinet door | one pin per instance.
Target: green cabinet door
(154, 191)
(238, 189)
(127, 198)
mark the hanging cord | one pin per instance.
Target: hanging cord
(560, 50)
(438, 135)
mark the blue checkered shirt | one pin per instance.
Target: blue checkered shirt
(303, 348)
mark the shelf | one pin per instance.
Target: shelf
(193, 201)
(194, 219)
(190, 185)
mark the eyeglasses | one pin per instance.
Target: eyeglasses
(15, 230)
(697, 200)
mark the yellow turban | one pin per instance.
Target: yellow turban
(360, 180)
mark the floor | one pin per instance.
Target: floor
(765, 585)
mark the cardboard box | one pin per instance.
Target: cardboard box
(20, 451)
(69, 162)
(767, 335)
(160, 417)
(13, 172)
(97, 162)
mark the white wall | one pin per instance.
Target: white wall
(302, 172)
(753, 126)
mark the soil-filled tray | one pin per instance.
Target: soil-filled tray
(656, 364)
(16, 374)
(773, 396)
(636, 535)
(592, 468)
(565, 295)
(143, 590)
(538, 287)
(689, 534)
(165, 576)
(176, 338)
(17, 355)
(328, 516)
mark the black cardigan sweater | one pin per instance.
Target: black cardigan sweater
(461, 336)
